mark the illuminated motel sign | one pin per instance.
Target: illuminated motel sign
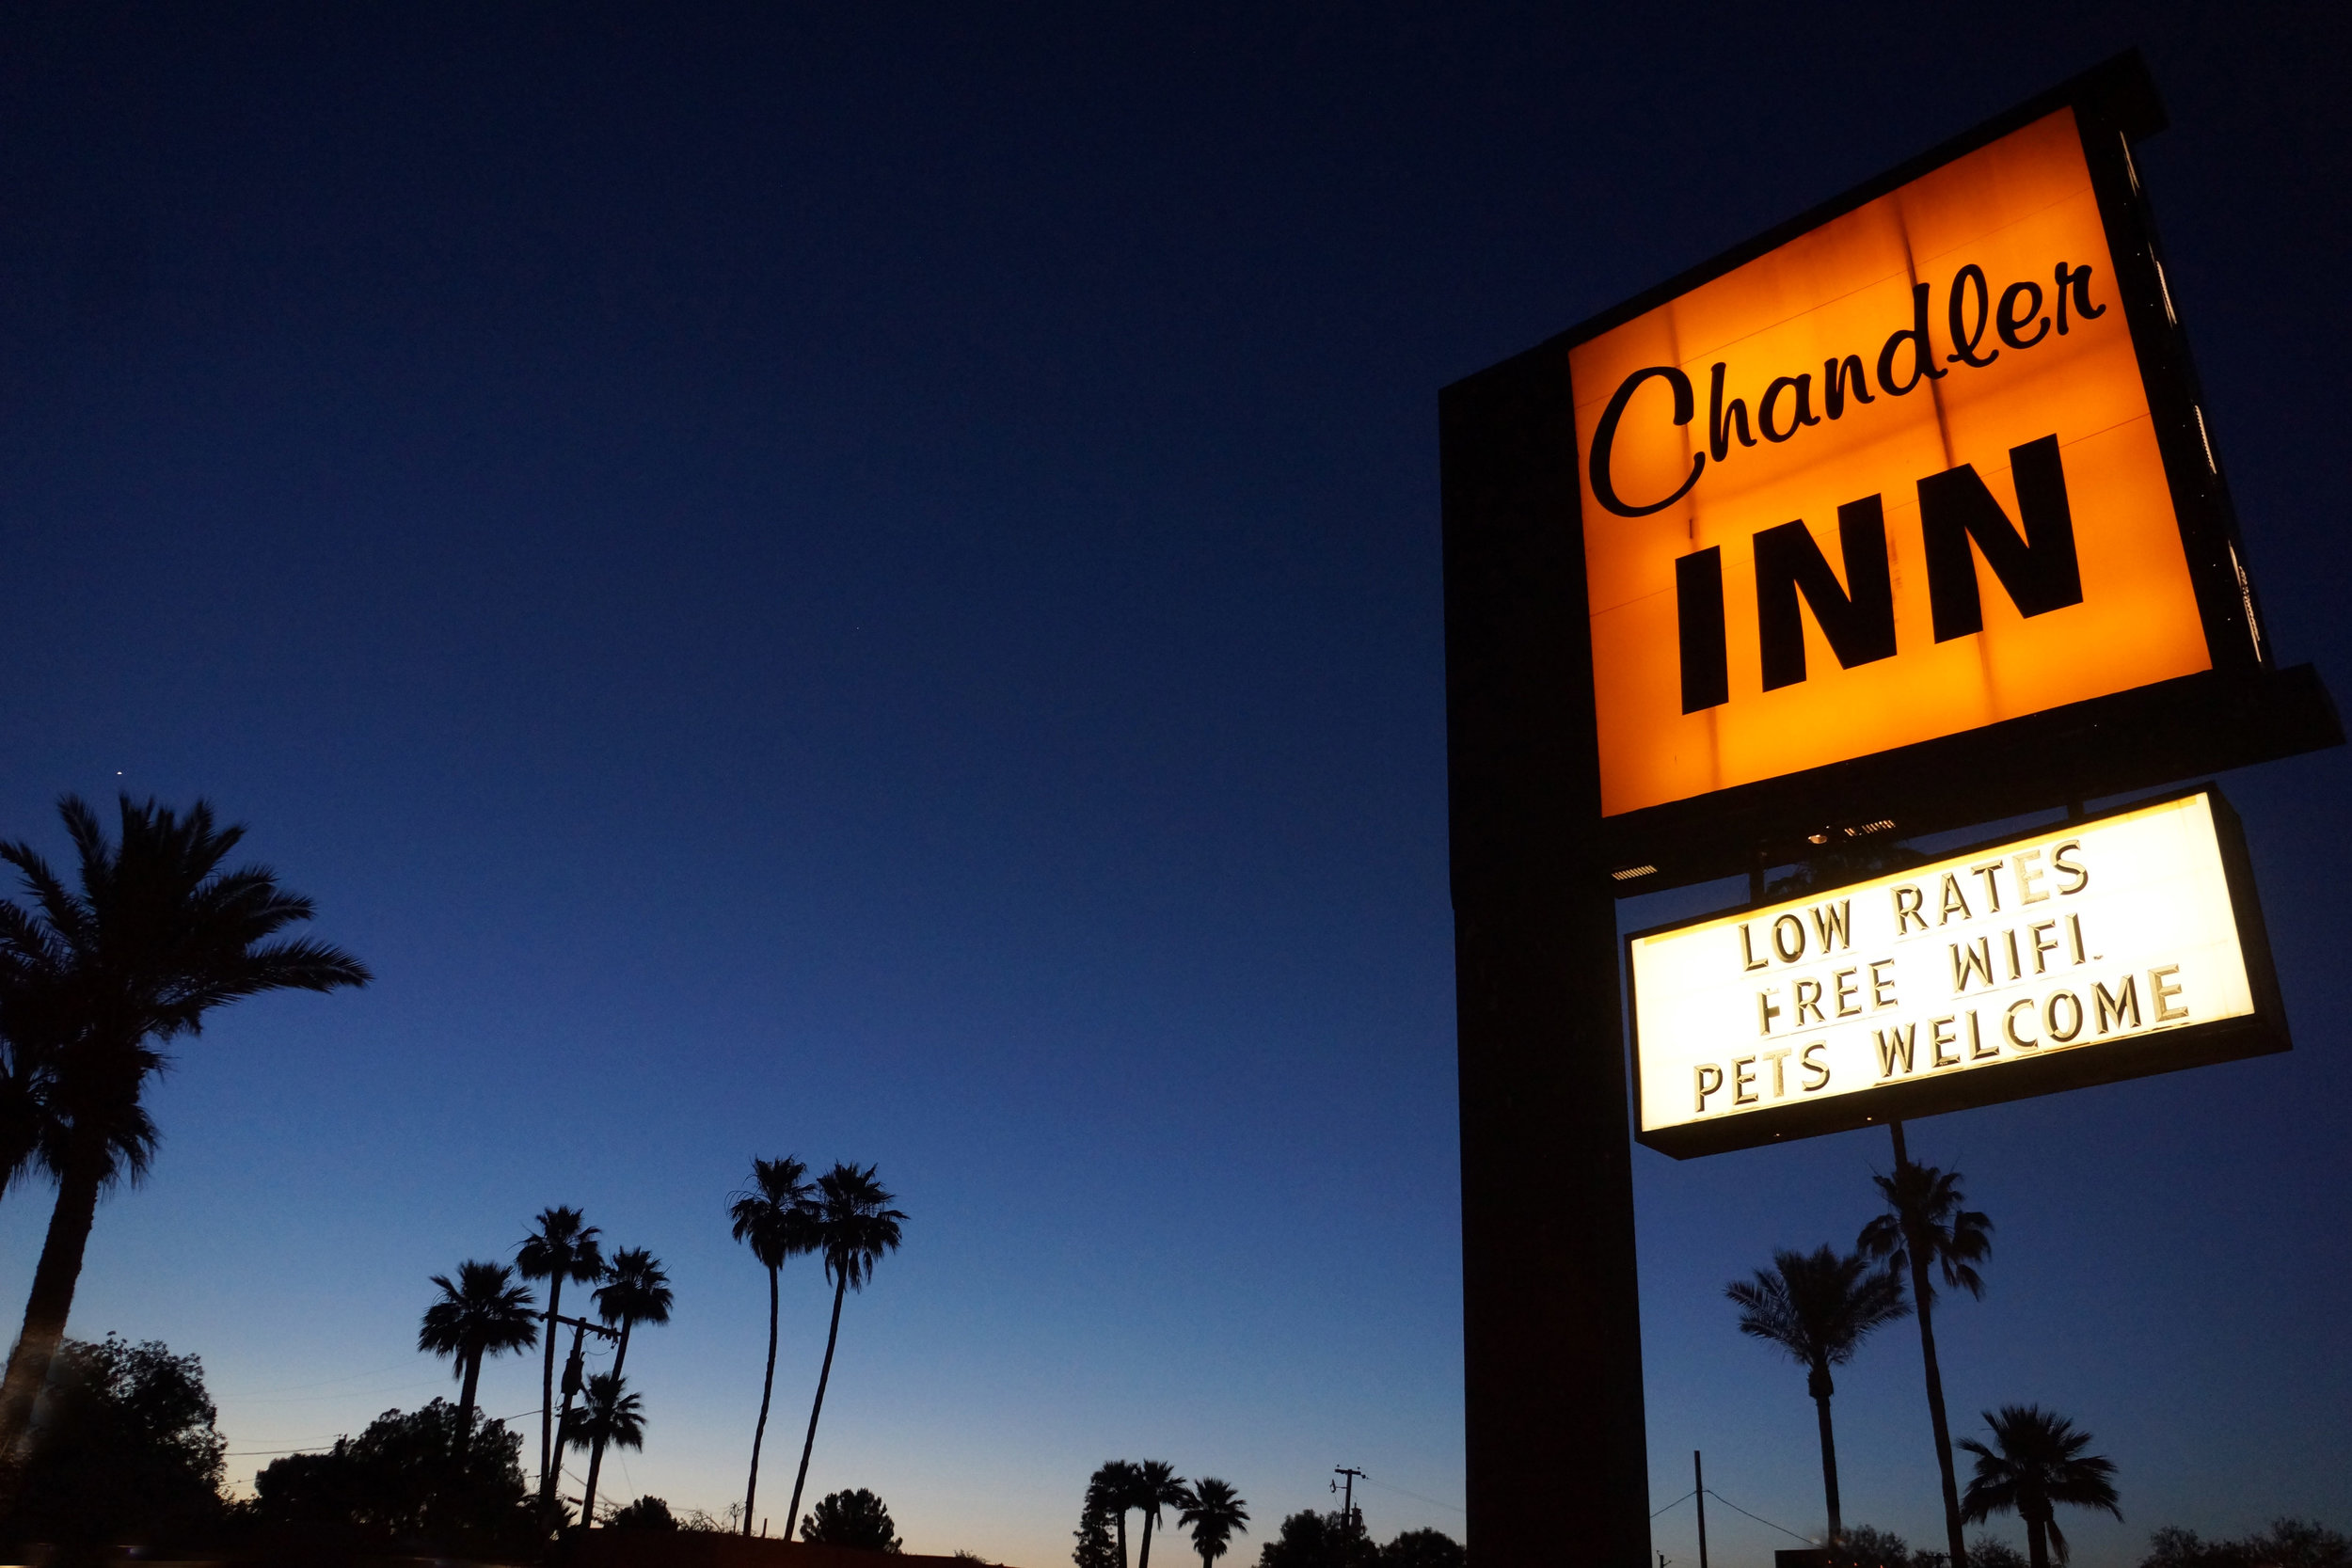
(1903, 519)
(1926, 467)
(2084, 952)
(1895, 479)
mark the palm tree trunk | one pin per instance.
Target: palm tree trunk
(1122, 1537)
(595, 1450)
(45, 1312)
(1935, 1406)
(546, 1381)
(767, 1387)
(1829, 1471)
(792, 1514)
(465, 1398)
(1146, 1561)
(2036, 1544)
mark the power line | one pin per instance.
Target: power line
(1391, 1486)
(324, 1382)
(265, 1454)
(1676, 1503)
(1757, 1517)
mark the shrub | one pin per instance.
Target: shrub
(125, 1449)
(856, 1519)
(2288, 1543)
(409, 1478)
(645, 1514)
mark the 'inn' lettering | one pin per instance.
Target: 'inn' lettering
(2033, 559)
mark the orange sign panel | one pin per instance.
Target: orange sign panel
(1891, 481)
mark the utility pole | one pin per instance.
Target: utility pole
(1698, 1481)
(1347, 1509)
(582, 1329)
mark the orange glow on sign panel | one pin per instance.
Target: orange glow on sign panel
(1772, 586)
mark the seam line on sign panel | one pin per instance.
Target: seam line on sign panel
(1862, 287)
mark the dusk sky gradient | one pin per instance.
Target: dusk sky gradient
(864, 582)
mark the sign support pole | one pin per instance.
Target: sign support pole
(1555, 1451)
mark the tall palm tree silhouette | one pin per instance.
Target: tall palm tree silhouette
(1113, 1491)
(2037, 1463)
(609, 1415)
(26, 1075)
(482, 1313)
(1213, 1510)
(854, 1226)
(635, 1290)
(1925, 1227)
(1157, 1486)
(1819, 1308)
(97, 980)
(772, 1216)
(561, 1246)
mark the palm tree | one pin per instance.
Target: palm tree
(1112, 1492)
(773, 1217)
(1158, 1486)
(1819, 1308)
(635, 1290)
(854, 1225)
(1213, 1510)
(98, 980)
(2040, 1465)
(562, 1246)
(484, 1313)
(1924, 1225)
(25, 1074)
(608, 1414)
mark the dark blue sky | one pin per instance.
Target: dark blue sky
(867, 585)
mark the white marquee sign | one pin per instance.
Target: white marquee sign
(2091, 951)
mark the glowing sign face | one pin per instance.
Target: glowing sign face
(2084, 952)
(1894, 479)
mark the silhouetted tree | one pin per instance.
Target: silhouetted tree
(1925, 1228)
(1986, 1551)
(561, 1246)
(1213, 1510)
(422, 1477)
(97, 981)
(608, 1416)
(27, 1073)
(1864, 1547)
(1423, 1548)
(1111, 1493)
(635, 1290)
(856, 1519)
(855, 1227)
(484, 1313)
(1095, 1548)
(774, 1218)
(1819, 1308)
(2035, 1463)
(127, 1450)
(2288, 1543)
(647, 1513)
(1157, 1486)
(1310, 1540)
